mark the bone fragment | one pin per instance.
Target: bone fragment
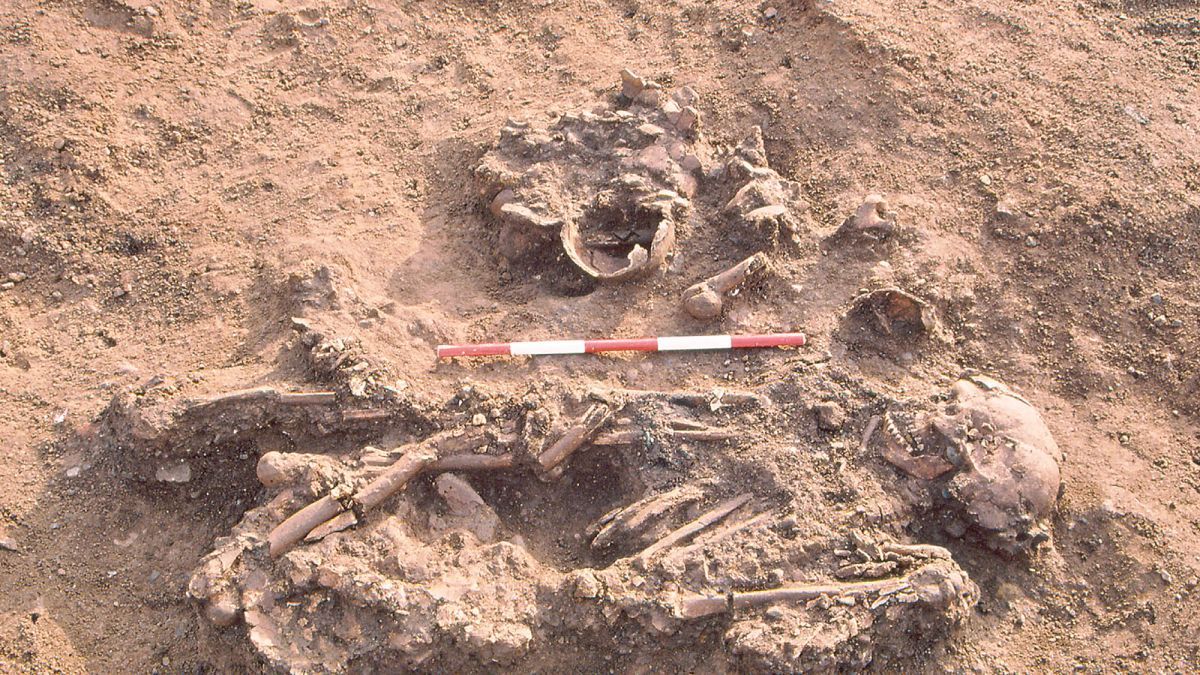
(709, 434)
(473, 463)
(897, 452)
(308, 398)
(719, 398)
(390, 481)
(633, 435)
(298, 525)
(242, 396)
(288, 533)
(871, 219)
(366, 415)
(342, 521)
(721, 534)
(635, 519)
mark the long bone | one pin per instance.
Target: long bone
(699, 606)
(424, 456)
(330, 513)
(932, 574)
(705, 300)
(574, 438)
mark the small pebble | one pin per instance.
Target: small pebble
(985, 179)
(770, 13)
(179, 472)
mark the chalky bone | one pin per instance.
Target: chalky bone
(705, 300)
(871, 219)
(999, 456)
(605, 186)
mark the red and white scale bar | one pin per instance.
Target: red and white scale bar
(651, 344)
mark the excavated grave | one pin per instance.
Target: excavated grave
(495, 528)
(653, 523)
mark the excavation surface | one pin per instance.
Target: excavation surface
(237, 231)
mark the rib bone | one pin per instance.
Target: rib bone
(705, 521)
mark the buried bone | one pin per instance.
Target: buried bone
(692, 528)
(642, 239)
(424, 456)
(940, 584)
(871, 220)
(416, 575)
(894, 312)
(641, 520)
(996, 461)
(706, 299)
(574, 438)
(606, 187)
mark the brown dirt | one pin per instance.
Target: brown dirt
(180, 179)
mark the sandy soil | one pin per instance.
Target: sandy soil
(178, 178)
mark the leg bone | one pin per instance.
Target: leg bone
(705, 300)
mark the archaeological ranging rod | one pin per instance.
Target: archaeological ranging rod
(650, 344)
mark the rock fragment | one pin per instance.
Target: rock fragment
(830, 416)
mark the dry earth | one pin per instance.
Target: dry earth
(180, 179)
